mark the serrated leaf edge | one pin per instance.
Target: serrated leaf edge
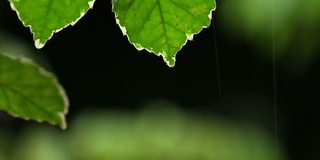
(37, 42)
(139, 46)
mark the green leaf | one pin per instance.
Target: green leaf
(162, 26)
(30, 92)
(46, 17)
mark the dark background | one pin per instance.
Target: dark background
(99, 67)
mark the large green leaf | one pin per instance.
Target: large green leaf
(46, 17)
(30, 92)
(162, 26)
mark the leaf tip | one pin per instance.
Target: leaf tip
(170, 61)
(63, 123)
(91, 3)
(38, 44)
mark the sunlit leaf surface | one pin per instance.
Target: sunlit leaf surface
(46, 17)
(162, 26)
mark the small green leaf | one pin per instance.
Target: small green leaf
(30, 92)
(46, 17)
(162, 26)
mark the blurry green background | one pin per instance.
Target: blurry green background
(127, 104)
(160, 131)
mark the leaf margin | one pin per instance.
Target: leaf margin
(37, 42)
(139, 47)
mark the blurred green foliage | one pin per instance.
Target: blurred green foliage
(18, 48)
(29, 91)
(161, 131)
(295, 23)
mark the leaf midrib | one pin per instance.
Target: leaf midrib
(163, 26)
(46, 21)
